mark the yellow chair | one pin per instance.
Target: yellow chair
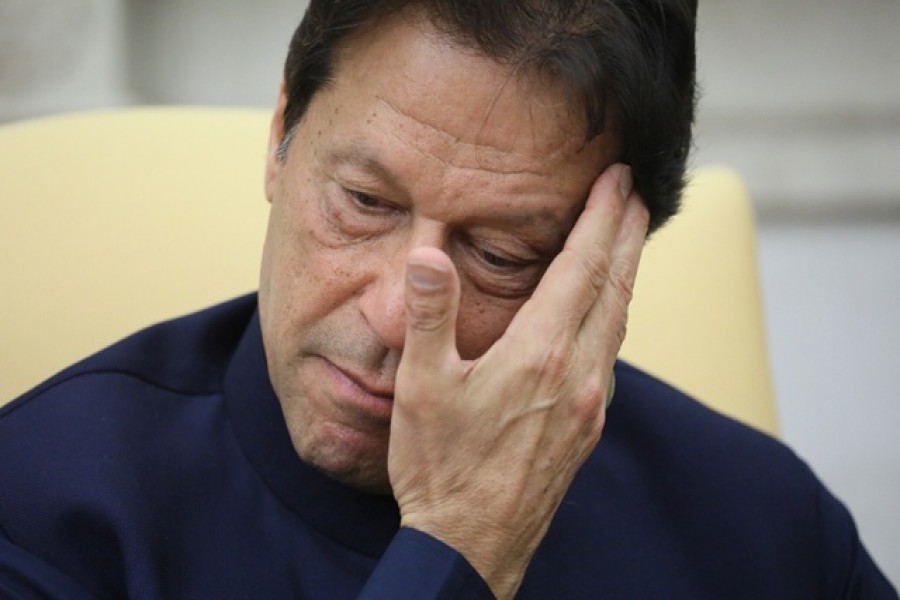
(113, 220)
(696, 320)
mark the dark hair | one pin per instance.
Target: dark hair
(631, 60)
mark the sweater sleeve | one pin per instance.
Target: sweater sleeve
(26, 577)
(417, 565)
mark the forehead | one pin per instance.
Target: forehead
(427, 121)
(434, 89)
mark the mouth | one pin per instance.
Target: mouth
(385, 392)
(375, 399)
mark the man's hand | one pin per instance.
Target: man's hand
(482, 452)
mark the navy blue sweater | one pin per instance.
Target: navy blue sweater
(162, 468)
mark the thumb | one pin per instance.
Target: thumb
(432, 304)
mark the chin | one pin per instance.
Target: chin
(362, 466)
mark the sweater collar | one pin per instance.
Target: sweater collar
(357, 520)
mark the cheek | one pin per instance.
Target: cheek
(310, 246)
(482, 320)
(303, 277)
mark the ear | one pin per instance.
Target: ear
(276, 135)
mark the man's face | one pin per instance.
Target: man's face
(416, 143)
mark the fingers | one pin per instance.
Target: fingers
(574, 280)
(628, 247)
(432, 303)
(604, 327)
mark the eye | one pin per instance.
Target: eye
(500, 262)
(365, 200)
(500, 274)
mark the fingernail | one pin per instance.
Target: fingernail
(625, 182)
(426, 276)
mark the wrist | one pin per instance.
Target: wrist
(500, 561)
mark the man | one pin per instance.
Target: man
(412, 407)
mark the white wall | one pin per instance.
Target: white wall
(802, 97)
(832, 295)
(208, 51)
(59, 55)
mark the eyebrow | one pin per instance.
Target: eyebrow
(362, 156)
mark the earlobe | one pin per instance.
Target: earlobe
(276, 136)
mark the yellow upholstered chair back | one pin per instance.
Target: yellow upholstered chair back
(117, 219)
(696, 320)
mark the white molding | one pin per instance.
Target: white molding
(841, 161)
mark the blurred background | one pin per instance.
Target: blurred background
(802, 97)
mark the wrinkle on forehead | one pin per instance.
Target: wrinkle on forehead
(460, 109)
(451, 151)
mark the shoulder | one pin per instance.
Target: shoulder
(187, 354)
(183, 357)
(678, 486)
(108, 456)
(648, 411)
(111, 401)
(655, 429)
(117, 395)
(92, 427)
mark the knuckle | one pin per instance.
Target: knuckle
(589, 400)
(426, 314)
(615, 310)
(596, 427)
(623, 286)
(595, 270)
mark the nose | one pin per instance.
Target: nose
(381, 301)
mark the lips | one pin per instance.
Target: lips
(360, 399)
(382, 391)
